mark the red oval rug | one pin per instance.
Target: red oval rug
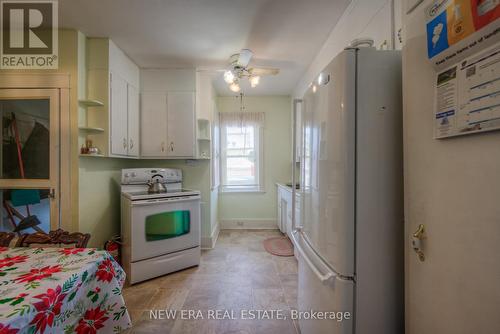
(280, 246)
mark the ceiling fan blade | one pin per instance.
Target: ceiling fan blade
(244, 57)
(260, 71)
(211, 70)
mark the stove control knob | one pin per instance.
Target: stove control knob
(133, 174)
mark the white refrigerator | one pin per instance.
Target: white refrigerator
(350, 239)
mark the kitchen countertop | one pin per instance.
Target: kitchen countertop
(286, 187)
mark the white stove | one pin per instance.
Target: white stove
(170, 193)
(160, 230)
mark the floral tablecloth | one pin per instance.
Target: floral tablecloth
(61, 290)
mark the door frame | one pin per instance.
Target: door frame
(56, 87)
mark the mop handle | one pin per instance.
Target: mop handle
(18, 145)
(19, 154)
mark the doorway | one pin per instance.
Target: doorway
(30, 160)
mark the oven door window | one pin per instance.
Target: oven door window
(167, 225)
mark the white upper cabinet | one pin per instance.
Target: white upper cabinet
(204, 96)
(119, 119)
(180, 124)
(133, 121)
(113, 79)
(153, 124)
(167, 125)
(124, 118)
(206, 117)
(168, 113)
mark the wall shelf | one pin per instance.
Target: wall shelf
(92, 155)
(90, 129)
(91, 103)
(203, 129)
(204, 137)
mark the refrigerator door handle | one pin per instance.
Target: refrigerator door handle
(294, 158)
(325, 278)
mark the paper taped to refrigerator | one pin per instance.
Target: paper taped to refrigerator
(468, 96)
(459, 28)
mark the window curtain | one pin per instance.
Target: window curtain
(241, 119)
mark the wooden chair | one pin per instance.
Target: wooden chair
(6, 238)
(57, 237)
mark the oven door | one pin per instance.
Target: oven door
(163, 226)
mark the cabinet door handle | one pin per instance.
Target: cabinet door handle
(124, 142)
(163, 146)
(131, 143)
(171, 146)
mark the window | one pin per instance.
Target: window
(241, 156)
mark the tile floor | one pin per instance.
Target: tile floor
(238, 274)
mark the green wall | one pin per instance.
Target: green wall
(99, 186)
(99, 194)
(261, 207)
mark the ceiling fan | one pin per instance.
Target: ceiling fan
(239, 69)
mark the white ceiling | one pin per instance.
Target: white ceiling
(286, 34)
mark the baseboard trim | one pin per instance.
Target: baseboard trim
(248, 224)
(209, 242)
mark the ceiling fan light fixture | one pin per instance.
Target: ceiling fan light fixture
(229, 77)
(234, 87)
(254, 81)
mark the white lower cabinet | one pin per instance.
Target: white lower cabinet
(168, 125)
(282, 216)
(285, 209)
(297, 210)
(282, 207)
(289, 222)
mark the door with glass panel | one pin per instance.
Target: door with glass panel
(29, 160)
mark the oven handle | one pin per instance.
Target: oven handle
(164, 200)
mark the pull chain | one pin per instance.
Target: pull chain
(242, 106)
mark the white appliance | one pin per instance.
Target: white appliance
(350, 241)
(160, 231)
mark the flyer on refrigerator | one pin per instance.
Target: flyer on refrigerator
(468, 96)
(458, 28)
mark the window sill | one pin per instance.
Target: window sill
(239, 190)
